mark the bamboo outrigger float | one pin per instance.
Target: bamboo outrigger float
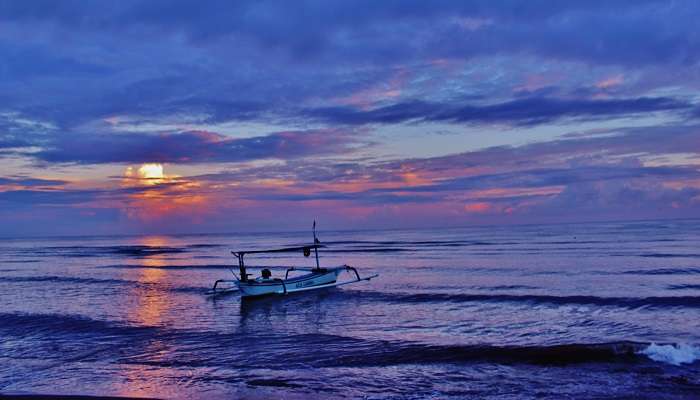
(266, 285)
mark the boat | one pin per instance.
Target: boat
(314, 278)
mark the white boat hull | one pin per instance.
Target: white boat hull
(305, 282)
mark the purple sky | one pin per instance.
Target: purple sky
(184, 116)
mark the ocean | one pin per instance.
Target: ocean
(595, 310)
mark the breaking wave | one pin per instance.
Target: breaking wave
(390, 354)
(675, 354)
(192, 348)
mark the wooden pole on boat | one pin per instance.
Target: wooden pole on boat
(316, 242)
(241, 266)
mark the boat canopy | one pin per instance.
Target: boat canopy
(305, 249)
(282, 250)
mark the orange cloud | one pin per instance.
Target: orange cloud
(479, 208)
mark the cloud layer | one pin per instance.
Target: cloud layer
(191, 147)
(533, 110)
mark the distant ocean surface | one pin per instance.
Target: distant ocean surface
(551, 311)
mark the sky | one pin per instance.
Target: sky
(224, 116)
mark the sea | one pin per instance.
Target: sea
(567, 311)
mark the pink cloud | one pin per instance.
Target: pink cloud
(610, 82)
(389, 89)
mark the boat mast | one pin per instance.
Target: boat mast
(316, 242)
(241, 266)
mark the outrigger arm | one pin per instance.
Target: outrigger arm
(366, 278)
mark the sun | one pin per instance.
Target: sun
(151, 171)
(146, 174)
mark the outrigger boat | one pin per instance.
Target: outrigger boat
(265, 285)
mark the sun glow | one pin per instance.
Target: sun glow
(156, 194)
(151, 171)
(149, 174)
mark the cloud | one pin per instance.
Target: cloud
(510, 188)
(24, 181)
(527, 111)
(191, 147)
(364, 197)
(609, 149)
(607, 146)
(510, 179)
(620, 200)
(182, 62)
(11, 142)
(530, 178)
(17, 131)
(31, 198)
(597, 177)
(621, 32)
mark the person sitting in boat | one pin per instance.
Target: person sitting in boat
(265, 275)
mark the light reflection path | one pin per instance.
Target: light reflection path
(140, 380)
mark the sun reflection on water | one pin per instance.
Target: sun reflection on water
(152, 302)
(149, 309)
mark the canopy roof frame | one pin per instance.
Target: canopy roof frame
(282, 250)
(241, 254)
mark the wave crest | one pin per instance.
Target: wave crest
(675, 354)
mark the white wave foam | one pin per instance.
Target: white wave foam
(675, 354)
